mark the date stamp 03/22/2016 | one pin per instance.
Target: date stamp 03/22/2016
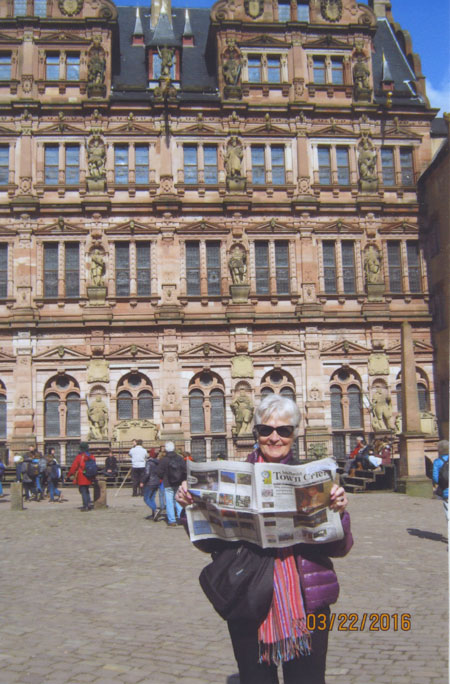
(358, 622)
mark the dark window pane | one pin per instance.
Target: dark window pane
(422, 393)
(387, 166)
(258, 166)
(5, 66)
(193, 268)
(343, 168)
(73, 67)
(213, 267)
(141, 152)
(52, 67)
(196, 414)
(284, 11)
(329, 267)
(190, 164)
(406, 166)
(3, 270)
(218, 448)
(145, 405)
(72, 164)
(72, 269)
(337, 72)
(339, 446)
(51, 164)
(278, 172)
(395, 267)
(121, 164)
(73, 422)
(282, 267)
(412, 251)
(210, 164)
(262, 267)
(51, 417)
(324, 165)
(51, 270)
(337, 416)
(273, 70)
(143, 268)
(217, 411)
(122, 269)
(254, 69)
(198, 449)
(4, 164)
(319, 70)
(354, 406)
(124, 406)
(348, 266)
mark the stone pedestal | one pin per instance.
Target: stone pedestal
(96, 184)
(412, 478)
(317, 443)
(100, 493)
(243, 445)
(239, 293)
(232, 92)
(16, 496)
(375, 292)
(96, 295)
(236, 184)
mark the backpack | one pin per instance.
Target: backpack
(90, 469)
(175, 470)
(443, 476)
(32, 469)
(55, 472)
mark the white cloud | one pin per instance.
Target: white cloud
(440, 97)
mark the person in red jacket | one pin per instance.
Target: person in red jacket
(81, 480)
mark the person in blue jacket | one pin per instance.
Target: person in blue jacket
(442, 458)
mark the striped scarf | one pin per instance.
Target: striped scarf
(284, 635)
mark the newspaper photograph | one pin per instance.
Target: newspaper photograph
(269, 504)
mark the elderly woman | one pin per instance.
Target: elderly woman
(304, 580)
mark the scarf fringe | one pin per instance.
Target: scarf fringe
(287, 649)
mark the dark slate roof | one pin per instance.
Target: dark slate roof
(439, 127)
(399, 67)
(198, 70)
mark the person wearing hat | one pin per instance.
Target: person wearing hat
(172, 471)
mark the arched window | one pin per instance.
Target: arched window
(62, 408)
(423, 392)
(135, 397)
(3, 434)
(346, 410)
(279, 381)
(73, 424)
(207, 416)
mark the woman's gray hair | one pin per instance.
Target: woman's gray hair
(279, 406)
(442, 447)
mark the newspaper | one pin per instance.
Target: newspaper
(269, 504)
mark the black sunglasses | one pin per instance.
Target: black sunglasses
(282, 430)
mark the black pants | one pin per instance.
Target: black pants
(137, 476)
(304, 670)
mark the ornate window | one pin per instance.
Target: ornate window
(69, 279)
(324, 158)
(387, 166)
(339, 270)
(135, 398)
(51, 164)
(142, 164)
(207, 416)
(346, 411)
(406, 166)
(278, 381)
(268, 277)
(404, 255)
(203, 265)
(62, 407)
(4, 164)
(121, 164)
(72, 168)
(141, 272)
(190, 164)
(268, 157)
(327, 70)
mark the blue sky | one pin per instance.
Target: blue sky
(429, 26)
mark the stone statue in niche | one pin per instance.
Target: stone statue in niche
(372, 265)
(166, 55)
(367, 164)
(97, 268)
(98, 419)
(381, 409)
(96, 158)
(361, 80)
(233, 158)
(96, 69)
(242, 408)
(237, 264)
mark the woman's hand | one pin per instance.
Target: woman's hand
(183, 496)
(338, 499)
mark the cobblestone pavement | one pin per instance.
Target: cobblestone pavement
(109, 597)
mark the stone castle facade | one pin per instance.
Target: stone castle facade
(200, 207)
